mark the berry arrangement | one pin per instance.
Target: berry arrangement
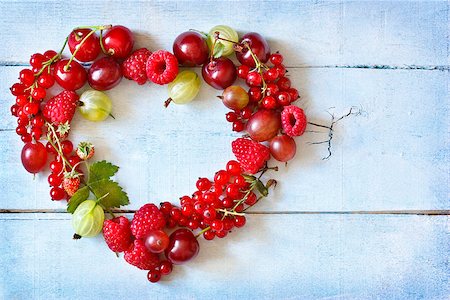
(157, 237)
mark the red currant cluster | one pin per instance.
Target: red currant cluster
(213, 210)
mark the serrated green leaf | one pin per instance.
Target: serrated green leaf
(112, 193)
(80, 195)
(101, 170)
(218, 49)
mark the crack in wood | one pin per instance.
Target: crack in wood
(350, 212)
(357, 66)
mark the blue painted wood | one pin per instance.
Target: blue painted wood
(273, 257)
(393, 157)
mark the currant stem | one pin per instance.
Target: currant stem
(202, 231)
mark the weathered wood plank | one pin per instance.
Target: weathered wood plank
(282, 257)
(394, 156)
(308, 33)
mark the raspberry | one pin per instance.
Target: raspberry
(251, 155)
(61, 108)
(140, 257)
(117, 234)
(293, 120)
(146, 219)
(133, 67)
(162, 67)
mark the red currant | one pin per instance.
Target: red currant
(272, 89)
(238, 126)
(165, 267)
(243, 71)
(283, 98)
(156, 241)
(284, 83)
(233, 168)
(209, 235)
(293, 93)
(17, 89)
(239, 221)
(38, 93)
(203, 184)
(251, 199)
(269, 102)
(221, 177)
(56, 166)
(54, 179)
(154, 275)
(217, 225)
(254, 79)
(37, 59)
(246, 113)
(270, 75)
(14, 110)
(57, 193)
(254, 94)
(46, 80)
(281, 70)
(233, 191)
(276, 58)
(231, 116)
(26, 77)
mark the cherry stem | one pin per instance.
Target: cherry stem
(66, 67)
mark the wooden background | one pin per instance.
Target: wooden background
(370, 223)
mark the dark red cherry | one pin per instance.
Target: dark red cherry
(191, 49)
(219, 73)
(259, 46)
(104, 74)
(183, 246)
(34, 157)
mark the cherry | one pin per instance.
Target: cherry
(259, 47)
(90, 48)
(219, 73)
(71, 77)
(183, 246)
(191, 49)
(104, 74)
(157, 241)
(34, 157)
(283, 148)
(264, 125)
(118, 41)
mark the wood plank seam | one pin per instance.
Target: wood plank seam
(350, 212)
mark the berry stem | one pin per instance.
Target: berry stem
(59, 148)
(202, 231)
(66, 67)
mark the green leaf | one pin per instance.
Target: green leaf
(218, 49)
(80, 195)
(101, 170)
(262, 188)
(112, 193)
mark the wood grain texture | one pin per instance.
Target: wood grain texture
(294, 257)
(328, 230)
(384, 159)
(319, 33)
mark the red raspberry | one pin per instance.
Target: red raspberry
(251, 155)
(61, 108)
(162, 67)
(139, 256)
(146, 219)
(117, 234)
(293, 120)
(133, 67)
